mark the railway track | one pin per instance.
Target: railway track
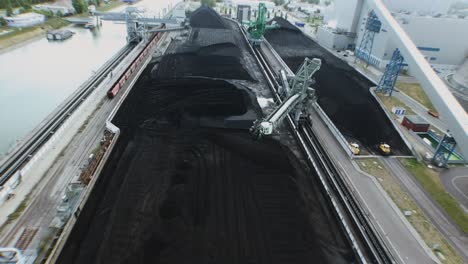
(25, 238)
(24, 153)
(366, 240)
(367, 231)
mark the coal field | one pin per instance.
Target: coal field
(343, 93)
(186, 183)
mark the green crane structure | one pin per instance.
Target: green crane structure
(258, 27)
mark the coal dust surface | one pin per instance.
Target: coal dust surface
(343, 93)
(186, 183)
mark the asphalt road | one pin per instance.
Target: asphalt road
(406, 247)
(455, 181)
(456, 237)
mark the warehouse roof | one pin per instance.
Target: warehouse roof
(415, 119)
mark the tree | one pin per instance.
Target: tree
(210, 3)
(278, 2)
(25, 4)
(80, 6)
(9, 9)
(96, 2)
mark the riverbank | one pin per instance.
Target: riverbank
(110, 6)
(20, 37)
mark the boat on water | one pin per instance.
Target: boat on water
(59, 35)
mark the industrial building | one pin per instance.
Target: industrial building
(415, 123)
(346, 27)
(437, 46)
(25, 20)
(243, 13)
(56, 10)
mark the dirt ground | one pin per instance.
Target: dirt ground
(184, 186)
(343, 93)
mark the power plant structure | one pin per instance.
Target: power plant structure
(425, 57)
(220, 139)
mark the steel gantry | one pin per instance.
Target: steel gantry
(390, 76)
(258, 27)
(136, 29)
(364, 51)
(139, 26)
(299, 97)
(444, 150)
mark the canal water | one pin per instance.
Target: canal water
(37, 77)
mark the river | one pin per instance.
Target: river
(37, 77)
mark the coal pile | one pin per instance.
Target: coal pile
(342, 91)
(212, 50)
(206, 17)
(178, 192)
(181, 188)
(201, 64)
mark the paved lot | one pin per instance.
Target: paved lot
(455, 181)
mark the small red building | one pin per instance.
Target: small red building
(415, 123)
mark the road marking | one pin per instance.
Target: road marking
(456, 187)
(394, 248)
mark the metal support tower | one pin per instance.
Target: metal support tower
(373, 25)
(389, 78)
(136, 25)
(444, 150)
(298, 99)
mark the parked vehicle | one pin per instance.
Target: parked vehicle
(384, 149)
(433, 113)
(355, 148)
(59, 34)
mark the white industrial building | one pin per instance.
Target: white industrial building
(441, 38)
(25, 20)
(54, 9)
